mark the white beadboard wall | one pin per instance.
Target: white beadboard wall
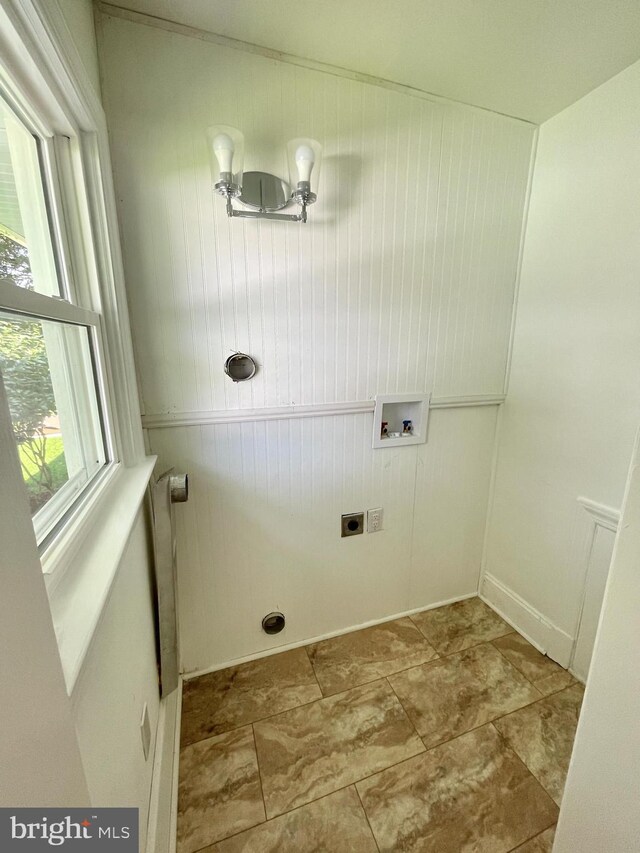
(403, 280)
(261, 529)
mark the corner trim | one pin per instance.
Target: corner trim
(163, 800)
(534, 627)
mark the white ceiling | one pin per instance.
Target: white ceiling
(527, 58)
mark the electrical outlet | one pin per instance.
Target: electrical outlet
(352, 524)
(374, 520)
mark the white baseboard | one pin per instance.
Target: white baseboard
(187, 676)
(528, 621)
(163, 805)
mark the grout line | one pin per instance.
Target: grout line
(276, 817)
(381, 677)
(373, 835)
(313, 701)
(315, 674)
(524, 675)
(405, 711)
(255, 746)
(532, 837)
(253, 722)
(473, 729)
(526, 767)
(512, 664)
(444, 655)
(355, 783)
(426, 749)
(544, 677)
(439, 656)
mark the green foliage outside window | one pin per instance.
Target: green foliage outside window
(27, 379)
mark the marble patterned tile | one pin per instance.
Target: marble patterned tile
(234, 697)
(219, 789)
(311, 751)
(542, 735)
(470, 795)
(457, 693)
(542, 843)
(554, 683)
(526, 658)
(336, 823)
(459, 626)
(363, 656)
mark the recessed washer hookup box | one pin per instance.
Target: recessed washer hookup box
(113, 830)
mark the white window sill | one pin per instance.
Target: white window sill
(86, 564)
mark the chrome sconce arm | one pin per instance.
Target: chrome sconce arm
(266, 194)
(302, 195)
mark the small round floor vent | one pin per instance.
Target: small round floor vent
(273, 623)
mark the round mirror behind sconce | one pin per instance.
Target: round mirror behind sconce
(240, 367)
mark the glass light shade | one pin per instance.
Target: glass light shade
(305, 157)
(226, 150)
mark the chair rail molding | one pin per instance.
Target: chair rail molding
(602, 515)
(276, 413)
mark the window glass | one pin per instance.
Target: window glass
(26, 253)
(47, 370)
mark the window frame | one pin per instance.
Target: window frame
(66, 202)
(43, 80)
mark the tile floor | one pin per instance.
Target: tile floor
(442, 732)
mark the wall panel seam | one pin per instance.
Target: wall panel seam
(520, 262)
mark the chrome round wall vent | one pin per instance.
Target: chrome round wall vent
(240, 367)
(273, 623)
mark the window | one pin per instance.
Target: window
(49, 342)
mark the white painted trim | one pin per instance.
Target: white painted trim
(49, 54)
(163, 801)
(277, 413)
(528, 621)
(603, 515)
(78, 594)
(23, 301)
(188, 676)
(465, 401)
(226, 416)
(175, 776)
(608, 518)
(291, 59)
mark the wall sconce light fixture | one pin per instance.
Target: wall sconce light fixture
(263, 192)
